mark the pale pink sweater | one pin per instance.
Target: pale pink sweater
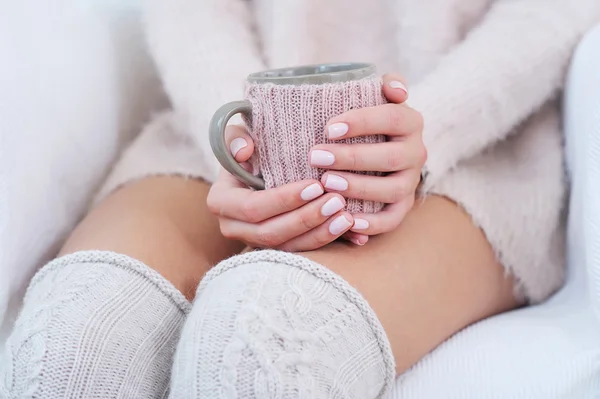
(484, 74)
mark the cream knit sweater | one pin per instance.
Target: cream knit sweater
(484, 74)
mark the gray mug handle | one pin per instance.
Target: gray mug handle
(219, 147)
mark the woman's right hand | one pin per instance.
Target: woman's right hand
(295, 217)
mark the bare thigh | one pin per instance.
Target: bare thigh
(161, 221)
(433, 276)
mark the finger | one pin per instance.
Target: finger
(239, 142)
(387, 189)
(385, 221)
(356, 238)
(391, 156)
(394, 88)
(227, 199)
(278, 230)
(326, 233)
(389, 119)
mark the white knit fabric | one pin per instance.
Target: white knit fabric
(269, 324)
(94, 325)
(484, 73)
(549, 351)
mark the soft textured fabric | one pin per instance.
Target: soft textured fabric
(75, 83)
(289, 120)
(269, 324)
(551, 350)
(94, 325)
(484, 74)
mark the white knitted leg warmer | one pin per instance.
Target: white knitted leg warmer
(94, 325)
(269, 324)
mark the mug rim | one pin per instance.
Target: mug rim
(314, 73)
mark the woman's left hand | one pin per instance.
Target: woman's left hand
(401, 158)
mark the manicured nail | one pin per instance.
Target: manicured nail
(360, 241)
(311, 192)
(237, 144)
(339, 225)
(396, 84)
(360, 224)
(332, 206)
(335, 182)
(321, 158)
(337, 130)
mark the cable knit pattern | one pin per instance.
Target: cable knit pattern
(68, 341)
(269, 324)
(289, 120)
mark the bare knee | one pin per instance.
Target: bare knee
(160, 221)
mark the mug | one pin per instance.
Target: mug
(286, 111)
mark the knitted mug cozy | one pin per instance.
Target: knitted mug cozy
(288, 120)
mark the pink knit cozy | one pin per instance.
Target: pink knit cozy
(288, 120)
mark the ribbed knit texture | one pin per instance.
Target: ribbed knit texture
(94, 325)
(269, 324)
(288, 120)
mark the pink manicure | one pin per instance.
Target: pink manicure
(337, 130)
(321, 158)
(335, 182)
(339, 225)
(360, 224)
(311, 192)
(395, 84)
(332, 206)
(236, 145)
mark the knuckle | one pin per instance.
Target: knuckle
(212, 203)
(362, 118)
(227, 232)
(306, 221)
(352, 158)
(395, 118)
(250, 212)
(267, 238)
(393, 159)
(319, 240)
(397, 193)
(362, 191)
(284, 201)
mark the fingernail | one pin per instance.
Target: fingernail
(332, 206)
(360, 241)
(335, 182)
(396, 84)
(321, 158)
(360, 224)
(237, 144)
(356, 242)
(337, 130)
(311, 192)
(339, 225)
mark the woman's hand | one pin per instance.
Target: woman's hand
(401, 157)
(295, 217)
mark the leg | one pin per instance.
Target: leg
(426, 281)
(164, 223)
(287, 324)
(103, 321)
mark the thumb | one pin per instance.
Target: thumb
(394, 88)
(239, 143)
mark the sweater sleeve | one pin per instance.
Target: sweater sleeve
(203, 49)
(502, 72)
